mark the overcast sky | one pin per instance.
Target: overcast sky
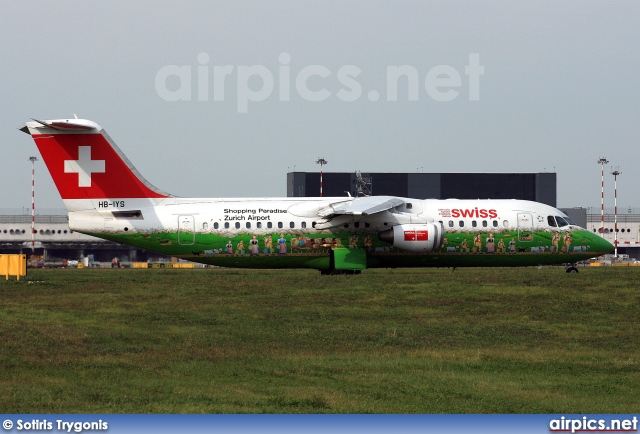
(556, 87)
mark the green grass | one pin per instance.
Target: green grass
(388, 341)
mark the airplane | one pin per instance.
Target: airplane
(106, 197)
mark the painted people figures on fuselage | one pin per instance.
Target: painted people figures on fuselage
(567, 242)
(268, 245)
(555, 241)
(240, 248)
(282, 245)
(477, 243)
(464, 246)
(491, 245)
(253, 246)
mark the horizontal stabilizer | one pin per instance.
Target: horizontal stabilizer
(61, 126)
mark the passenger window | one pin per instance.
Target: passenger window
(259, 225)
(495, 223)
(226, 225)
(269, 225)
(450, 223)
(280, 225)
(304, 225)
(248, 225)
(237, 225)
(356, 225)
(216, 225)
(484, 223)
(551, 221)
(205, 226)
(474, 223)
(367, 225)
(506, 223)
(461, 223)
(292, 225)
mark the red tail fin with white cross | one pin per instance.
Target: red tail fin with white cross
(85, 163)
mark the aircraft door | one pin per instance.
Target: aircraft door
(525, 226)
(108, 223)
(186, 230)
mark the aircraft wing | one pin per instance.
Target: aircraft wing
(353, 209)
(360, 206)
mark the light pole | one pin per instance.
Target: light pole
(321, 161)
(33, 204)
(602, 161)
(615, 174)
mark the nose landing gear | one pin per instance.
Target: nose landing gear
(572, 269)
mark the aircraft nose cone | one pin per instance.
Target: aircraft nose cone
(601, 245)
(607, 246)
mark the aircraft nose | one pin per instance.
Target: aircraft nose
(602, 246)
(608, 247)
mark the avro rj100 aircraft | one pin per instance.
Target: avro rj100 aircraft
(106, 197)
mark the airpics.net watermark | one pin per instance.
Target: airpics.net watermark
(257, 83)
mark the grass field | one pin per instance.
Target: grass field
(518, 340)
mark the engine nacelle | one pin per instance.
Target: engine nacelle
(414, 237)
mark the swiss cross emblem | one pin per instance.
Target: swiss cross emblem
(84, 166)
(416, 235)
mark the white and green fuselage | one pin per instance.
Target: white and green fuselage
(283, 233)
(106, 197)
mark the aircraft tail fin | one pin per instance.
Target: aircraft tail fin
(86, 164)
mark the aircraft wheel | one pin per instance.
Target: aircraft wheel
(572, 270)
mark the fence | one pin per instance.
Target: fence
(163, 265)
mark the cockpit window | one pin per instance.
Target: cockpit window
(551, 221)
(568, 220)
(561, 222)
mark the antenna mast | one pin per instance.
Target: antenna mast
(602, 161)
(33, 204)
(321, 161)
(615, 174)
(363, 185)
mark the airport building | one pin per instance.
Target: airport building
(538, 187)
(626, 231)
(56, 242)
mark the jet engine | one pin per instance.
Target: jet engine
(414, 237)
